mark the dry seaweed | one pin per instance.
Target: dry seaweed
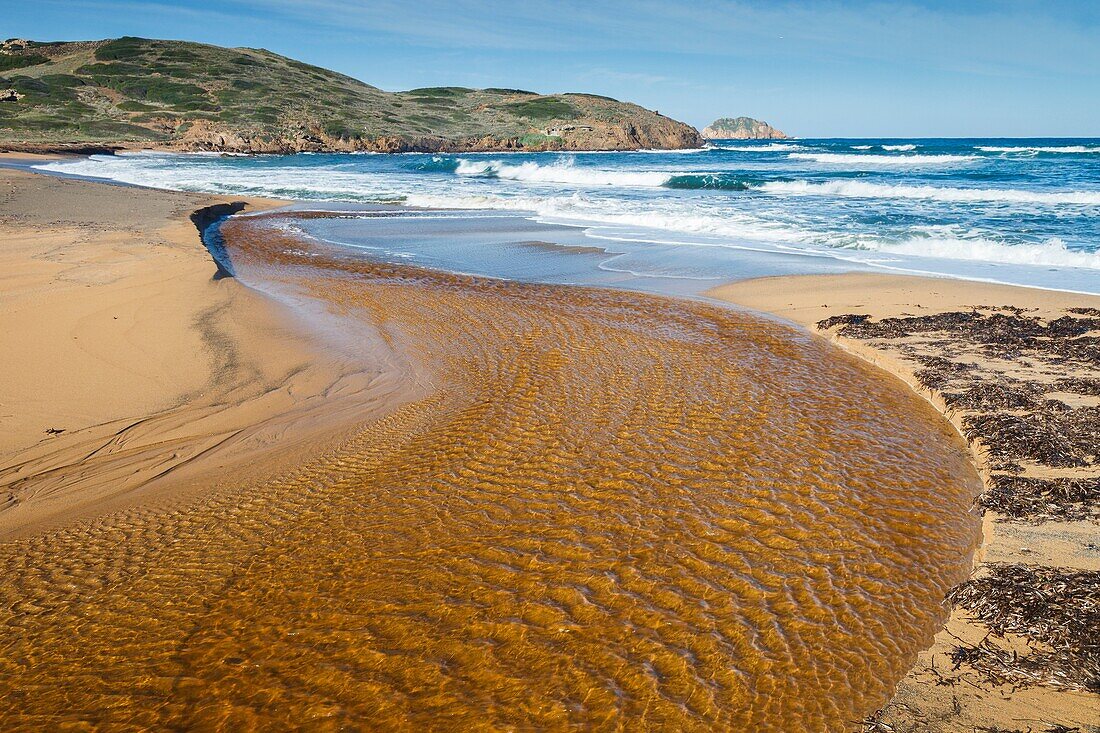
(1069, 326)
(1078, 385)
(873, 723)
(1010, 308)
(938, 372)
(1036, 499)
(999, 334)
(1055, 610)
(1059, 439)
(1004, 395)
(894, 328)
(1085, 349)
(1001, 667)
(844, 320)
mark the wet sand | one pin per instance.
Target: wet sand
(497, 505)
(1038, 530)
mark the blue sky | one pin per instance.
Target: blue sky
(922, 68)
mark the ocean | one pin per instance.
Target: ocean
(1021, 211)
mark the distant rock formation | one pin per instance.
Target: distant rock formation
(741, 128)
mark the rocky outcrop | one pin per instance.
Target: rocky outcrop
(741, 128)
(667, 135)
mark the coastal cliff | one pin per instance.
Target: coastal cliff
(176, 95)
(741, 128)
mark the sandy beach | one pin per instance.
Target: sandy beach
(131, 360)
(1041, 536)
(536, 490)
(335, 492)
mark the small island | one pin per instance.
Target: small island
(741, 128)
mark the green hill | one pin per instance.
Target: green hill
(135, 92)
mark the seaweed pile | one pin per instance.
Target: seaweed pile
(1057, 611)
(1020, 423)
(1022, 498)
(1005, 374)
(997, 332)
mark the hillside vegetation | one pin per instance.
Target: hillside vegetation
(135, 92)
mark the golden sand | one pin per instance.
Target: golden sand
(601, 510)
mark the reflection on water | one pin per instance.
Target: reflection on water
(611, 510)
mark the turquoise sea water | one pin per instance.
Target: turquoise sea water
(1016, 211)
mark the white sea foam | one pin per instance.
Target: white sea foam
(562, 172)
(862, 189)
(578, 210)
(587, 196)
(862, 147)
(855, 159)
(899, 148)
(668, 151)
(1052, 252)
(745, 231)
(180, 173)
(766, 148)
(1032, 149)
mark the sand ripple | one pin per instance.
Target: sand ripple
(610, 511)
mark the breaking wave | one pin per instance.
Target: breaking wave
(1070, 149)
(1050, 253)
(745, 231)
(862, 189)
(865, 204)
(767, 148)
(877, 160)
(564, 172)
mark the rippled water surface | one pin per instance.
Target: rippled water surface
(608, 510)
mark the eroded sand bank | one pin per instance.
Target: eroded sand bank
(555, 507)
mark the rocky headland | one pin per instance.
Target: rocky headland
(133, 93)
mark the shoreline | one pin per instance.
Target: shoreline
(833, 260)
(930, 697)
(223, 200)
